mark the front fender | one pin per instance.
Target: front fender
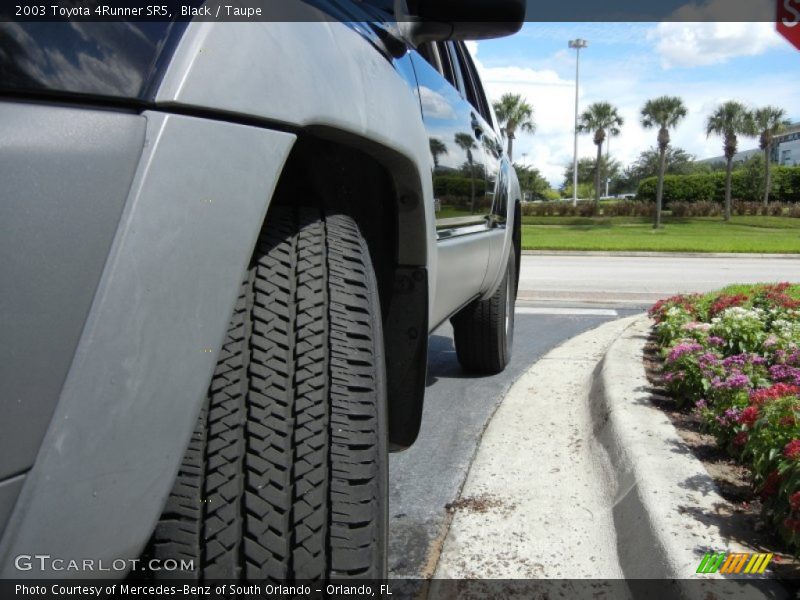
(323, 77)
(510, 240)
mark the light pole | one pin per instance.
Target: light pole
(577, 44)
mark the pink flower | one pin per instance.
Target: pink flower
(740, 439)
(770, 341)
(681, 349)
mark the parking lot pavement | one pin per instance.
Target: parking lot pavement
(641, 279)
(428, 476)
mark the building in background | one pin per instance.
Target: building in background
(786, 147)
(737, 158)
(785, 150)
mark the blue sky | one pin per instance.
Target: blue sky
(626, 64)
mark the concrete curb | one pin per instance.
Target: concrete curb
(666, 507)
(665, 503)
(627, 253)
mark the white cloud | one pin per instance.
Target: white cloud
(706, 43)
(627, 82)
(549, 94)
(434, 104)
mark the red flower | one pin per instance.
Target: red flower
(787, 421)
(779, 390)
(792, 449)
(771, 484)
(726, 301)
(749, 416)
(776, 295)
(686, 302)
(740, 439)
(794, 501)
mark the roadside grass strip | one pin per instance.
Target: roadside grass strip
(759, 235)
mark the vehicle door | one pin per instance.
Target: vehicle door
(456, 135)
(497, 165)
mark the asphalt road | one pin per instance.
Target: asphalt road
(559, 297)
(638, 280)
(428, 476)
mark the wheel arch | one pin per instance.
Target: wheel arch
(338, 104)
(382, 191)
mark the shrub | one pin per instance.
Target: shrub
(691, 188)
(628, 208)
(456, 185)
(710, 187)
(735, 356)
(695, 209)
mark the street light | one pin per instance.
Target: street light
(577, 45)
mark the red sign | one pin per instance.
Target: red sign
(788, 21)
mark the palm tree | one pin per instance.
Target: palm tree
(665, 113)
(602, 118)
(730, 120)
(438, 148)
(514, 114)
(770, 121)
(466, 142)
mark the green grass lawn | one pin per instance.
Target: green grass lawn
(691, 234)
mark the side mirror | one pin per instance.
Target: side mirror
(423, 21)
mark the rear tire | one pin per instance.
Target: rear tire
(285, 476)
(484, 330)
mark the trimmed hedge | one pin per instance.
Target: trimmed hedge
(710, 187)
(454, 185)
(586, 208)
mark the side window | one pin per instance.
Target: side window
(431, 55)
(440, 58)
(474, 89)
(449, 49)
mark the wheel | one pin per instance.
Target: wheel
(484, 330)
(285, 477)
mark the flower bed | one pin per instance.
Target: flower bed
(734, 356)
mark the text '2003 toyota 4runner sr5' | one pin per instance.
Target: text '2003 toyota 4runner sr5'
(224, 245)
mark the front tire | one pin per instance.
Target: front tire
(483, 331)
(285, 476)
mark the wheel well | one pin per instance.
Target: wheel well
(379, 193)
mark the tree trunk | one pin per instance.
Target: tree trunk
(597, 176)
(728, 171)
(510, 147)
(767, 175)
(472, 187)
(662, 163)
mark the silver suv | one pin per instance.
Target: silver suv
(224, 245)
